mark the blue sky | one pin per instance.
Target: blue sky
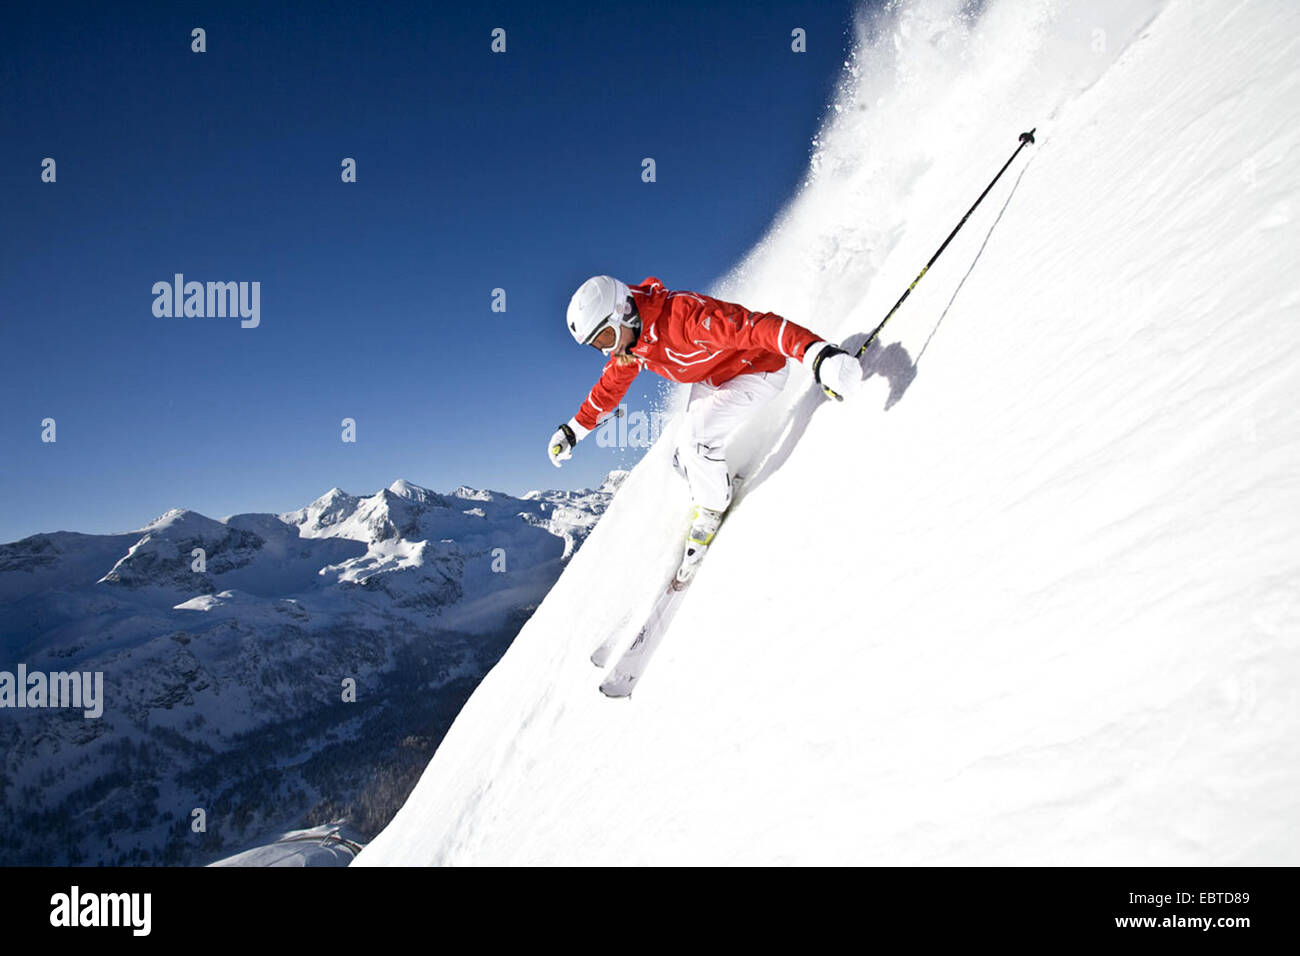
(476, 171)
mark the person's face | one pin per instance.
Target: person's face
(609, 339)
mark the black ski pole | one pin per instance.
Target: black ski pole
(1025, 138)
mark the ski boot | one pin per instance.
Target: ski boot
(704, 525)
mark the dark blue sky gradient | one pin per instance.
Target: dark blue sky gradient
(475, 171)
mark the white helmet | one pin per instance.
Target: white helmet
(600, 302)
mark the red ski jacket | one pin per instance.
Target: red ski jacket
(688, 337)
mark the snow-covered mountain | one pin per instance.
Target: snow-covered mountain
(1032, 597)
(224, 679)
(324, 845)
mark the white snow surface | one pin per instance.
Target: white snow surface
(1030, 600)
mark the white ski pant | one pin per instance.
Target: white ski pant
(713, 412)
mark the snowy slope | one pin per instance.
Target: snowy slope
(1032, 598)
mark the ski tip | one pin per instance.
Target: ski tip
(617, 686)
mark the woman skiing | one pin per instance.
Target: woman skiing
(734, 359)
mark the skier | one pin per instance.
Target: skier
(736, 361)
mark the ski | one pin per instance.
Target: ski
(601, 655)
(624, 675)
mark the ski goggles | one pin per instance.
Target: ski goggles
(605, 337)
(606, 334)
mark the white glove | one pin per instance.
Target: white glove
(838, 373)
(563, 441)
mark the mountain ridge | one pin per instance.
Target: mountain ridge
(215, 662)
